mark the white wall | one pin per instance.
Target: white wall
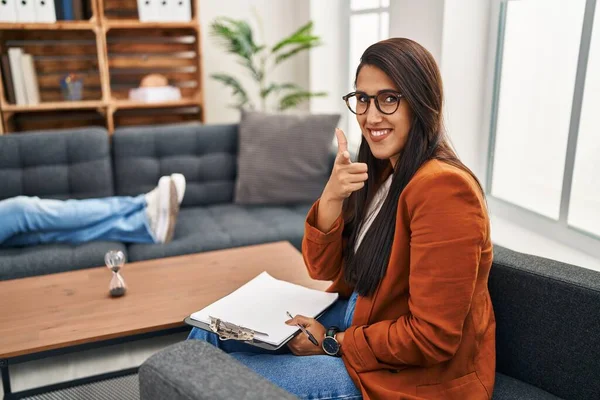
(456, 34)
(464, 61)
(329, 61)
(420, 21)
(279, 19)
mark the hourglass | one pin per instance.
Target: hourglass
(114, 260)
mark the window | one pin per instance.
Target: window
(584, 207)
(544, 149)
(369, 23)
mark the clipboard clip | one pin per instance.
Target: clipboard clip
(227, 330)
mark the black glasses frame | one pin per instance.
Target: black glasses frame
(347, 97)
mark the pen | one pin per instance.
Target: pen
(310, 336)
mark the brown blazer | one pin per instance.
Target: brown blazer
(428, 332)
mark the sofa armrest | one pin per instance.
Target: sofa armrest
(196, 370)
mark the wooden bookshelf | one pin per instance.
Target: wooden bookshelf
(111, 51)
(130, 105)
(132, 24)
(62, 25)
(57, 105)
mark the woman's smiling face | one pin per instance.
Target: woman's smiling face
(385, 134)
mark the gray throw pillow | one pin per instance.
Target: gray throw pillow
(283, 158)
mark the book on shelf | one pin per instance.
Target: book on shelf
(44, 11)
(148, 10)
(180, 10)
(8, 11)
(25, 11)
(24, 77)
(65, 10)
(72, 10)
(32, 89)
(77, 9)
(9, 88)
(14, 56)
(164, 10)
(58, 10)
(87, 9)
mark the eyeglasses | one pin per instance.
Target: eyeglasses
(386, 101)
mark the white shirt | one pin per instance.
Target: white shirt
(373, 210)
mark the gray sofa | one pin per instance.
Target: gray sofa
(548, 342)
(86, 163)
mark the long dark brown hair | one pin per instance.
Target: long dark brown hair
(416, 75)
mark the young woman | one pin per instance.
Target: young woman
(404, 235)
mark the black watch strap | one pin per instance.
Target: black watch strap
(330, 344)
(331, 331)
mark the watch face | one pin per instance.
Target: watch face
(330, 346)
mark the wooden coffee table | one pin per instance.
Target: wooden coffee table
(53, 314)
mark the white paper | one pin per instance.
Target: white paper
(261, 305)
(8, 11)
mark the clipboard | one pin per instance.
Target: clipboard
(258, 306)
(228, 331)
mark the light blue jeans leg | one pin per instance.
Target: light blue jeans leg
(308, 377)
(31, 220)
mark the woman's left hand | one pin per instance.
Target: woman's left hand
(301, 345)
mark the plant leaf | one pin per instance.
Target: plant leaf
(236, 37)
(303, 32)
(277, 87)
(256, 74)
(294, 99)
(237, 89)
(302, 47)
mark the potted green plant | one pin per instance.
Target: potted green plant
(237, 37)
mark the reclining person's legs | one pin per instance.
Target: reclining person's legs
(128, 228)
(146, 218)
(31, 214)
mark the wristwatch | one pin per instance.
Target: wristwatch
(330, 344)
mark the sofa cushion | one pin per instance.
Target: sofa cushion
(70, 163)
(205, 155)
(283, 159)
(507, 388)
(51, 258)
(227, 225)
(548, 329)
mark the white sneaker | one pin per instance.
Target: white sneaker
(179, 181)
(162, 209)
(153, 205)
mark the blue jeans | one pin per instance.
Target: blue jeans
(308, 377)
(31, 220)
